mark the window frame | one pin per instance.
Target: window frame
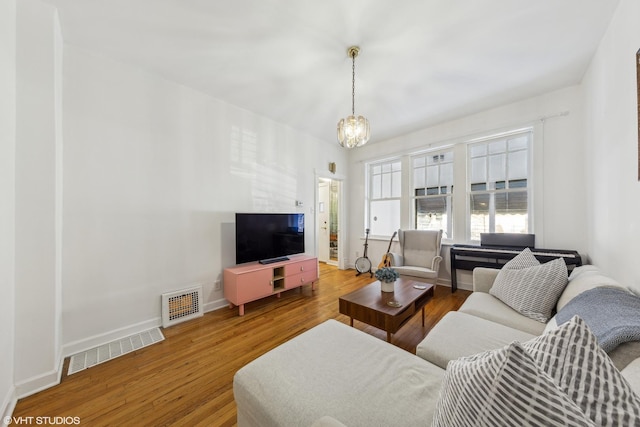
(449, 195)
(370, 199)
(492, 192)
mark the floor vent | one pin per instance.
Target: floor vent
(106, 352)
(181, 305)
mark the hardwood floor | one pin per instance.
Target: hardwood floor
(187, 378)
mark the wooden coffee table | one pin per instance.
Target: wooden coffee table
(371, 306)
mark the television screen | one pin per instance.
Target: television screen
(265, 236)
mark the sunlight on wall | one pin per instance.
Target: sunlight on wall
(273, 183)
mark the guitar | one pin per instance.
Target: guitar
(386, 258)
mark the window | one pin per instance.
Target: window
(498, 185)
(432, 189)
(493, 176)
(385, 191)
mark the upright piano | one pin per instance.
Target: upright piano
(496, 249)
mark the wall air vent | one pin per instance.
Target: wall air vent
(181, 305)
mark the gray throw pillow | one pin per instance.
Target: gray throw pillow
(503, 387)
(531, 290)
(523, 260)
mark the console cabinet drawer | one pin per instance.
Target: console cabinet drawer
(299, 279)
(308, 266)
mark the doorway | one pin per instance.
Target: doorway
(328, 221)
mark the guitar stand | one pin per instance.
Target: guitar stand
(366, 268)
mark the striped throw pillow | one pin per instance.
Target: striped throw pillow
(532, 291)
(571, 356)
(503, 387)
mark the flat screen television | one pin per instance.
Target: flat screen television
(268, 237)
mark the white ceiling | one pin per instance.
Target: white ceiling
(421, 61)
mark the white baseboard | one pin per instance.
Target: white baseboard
(464, 286)
(52, 378)
(41, 382)
(107, 337)
(215, 305)
(100, 339)
(8, 405)
(461, 285)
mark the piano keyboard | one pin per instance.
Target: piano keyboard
(468, 257)
(510, 251)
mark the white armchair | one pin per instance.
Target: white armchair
(419, 255)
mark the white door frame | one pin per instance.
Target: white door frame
(324, 220)
(342, 229)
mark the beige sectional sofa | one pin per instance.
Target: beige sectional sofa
(485, 323)
(337, 375)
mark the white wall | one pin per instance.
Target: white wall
(559, 195)
(7, 201)
(153, 174)
(37, 197)
(611, 144)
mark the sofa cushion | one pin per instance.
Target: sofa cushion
(421, 272)
(495, 388)
(582, 279)
(338, 371)
(532, 291)
(460, 334)
(488, 307)
(625, 353)
(571, 356)
(483, 278)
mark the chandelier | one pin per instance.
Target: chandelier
(353, 131)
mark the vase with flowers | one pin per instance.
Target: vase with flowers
(387, 277)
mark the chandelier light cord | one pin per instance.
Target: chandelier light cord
(353, 82)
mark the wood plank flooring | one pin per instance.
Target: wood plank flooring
(186, 380)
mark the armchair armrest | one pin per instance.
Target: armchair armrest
(396, 259)
(435, 264)
(483, 278)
